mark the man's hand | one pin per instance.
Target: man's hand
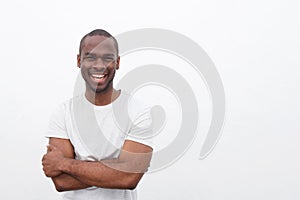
(51, 161)
(58, 150)
(123, 172)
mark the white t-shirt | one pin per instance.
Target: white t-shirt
(99, 132)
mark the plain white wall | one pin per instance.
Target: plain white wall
(254, 44)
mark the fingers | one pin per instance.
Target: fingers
(44, 166)
(47, 172)
(50, 147)
(43, 158)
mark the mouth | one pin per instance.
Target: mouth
(98, 77)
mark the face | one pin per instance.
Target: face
(98, 62)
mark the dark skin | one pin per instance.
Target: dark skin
(98, 63)
(98, 56)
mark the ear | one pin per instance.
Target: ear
(78, 61)
(118, 63)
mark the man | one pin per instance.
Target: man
(101, 154)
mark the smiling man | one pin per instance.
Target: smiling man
(96, 151)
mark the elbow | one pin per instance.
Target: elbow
(131, 186)
(59, 188)
(132, 182)
(58, 185)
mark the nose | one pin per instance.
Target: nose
(99, 64)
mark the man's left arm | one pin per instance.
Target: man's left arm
(123, 172)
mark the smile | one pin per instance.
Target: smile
(98, 77)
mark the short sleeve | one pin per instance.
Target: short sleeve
(141, 127)
(57, 123)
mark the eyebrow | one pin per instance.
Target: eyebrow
(109, 54)
(88, 53)
(93, 54)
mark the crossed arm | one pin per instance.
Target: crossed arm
(123, 172)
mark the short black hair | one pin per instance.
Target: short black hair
(100, 32)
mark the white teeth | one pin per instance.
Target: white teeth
(97, 76)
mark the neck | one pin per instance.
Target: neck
(102, 98)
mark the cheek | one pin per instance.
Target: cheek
(84, 72)
(84, 68)
(113, 67)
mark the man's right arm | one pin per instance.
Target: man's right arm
(65, 182)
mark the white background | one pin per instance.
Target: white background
(254, 44)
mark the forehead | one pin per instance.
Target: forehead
(98, 44)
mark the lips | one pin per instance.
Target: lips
(98, 77)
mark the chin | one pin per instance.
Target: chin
(100, 89)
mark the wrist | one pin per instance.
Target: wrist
(64, 164)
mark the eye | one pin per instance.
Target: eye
(108, 58)
(89, 58)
